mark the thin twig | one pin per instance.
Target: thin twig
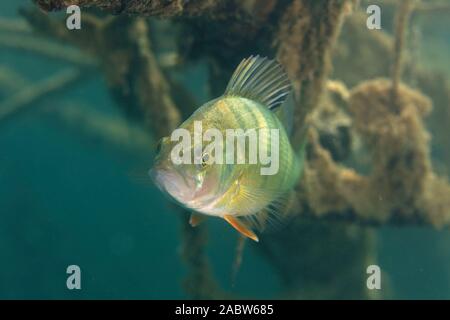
(113, 131)
(157, 8)
(432, 8)
(45, 48)
(401, 22)
(14, 25)
(10, 80)
(33, 93)
(237, 259)
(421, 8)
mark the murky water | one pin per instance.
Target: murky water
(74, 188)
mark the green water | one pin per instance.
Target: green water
(69, 199)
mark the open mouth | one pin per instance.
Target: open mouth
(173, 184)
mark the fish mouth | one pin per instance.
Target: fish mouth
(153, 174)
(173, 184)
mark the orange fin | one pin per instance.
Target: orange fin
(241, 227)
(196, 219)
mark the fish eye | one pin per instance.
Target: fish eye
(205, 159)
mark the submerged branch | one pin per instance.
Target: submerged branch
(304, 45)
(131, 69)
(306, 35)
(401, 186)
(158, 8)
(14, 25)
(10, 80)
(33, 93)
(46, 48)
(401, 24)
(113, 131)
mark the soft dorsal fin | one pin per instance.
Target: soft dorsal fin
(260, 79)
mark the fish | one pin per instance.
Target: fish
(240, 192)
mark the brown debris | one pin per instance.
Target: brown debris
(402, 174)
(398, 144)
(368, 64)
(399, 185)
(33, 93)
(305, 39)
(160, 8)
(200, 283)
(132, 72)
(364, 51)
(401, 24)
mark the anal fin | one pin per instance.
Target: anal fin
(241, 227)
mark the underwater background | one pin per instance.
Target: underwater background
(74, 187)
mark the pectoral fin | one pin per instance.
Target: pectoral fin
(196, 219)
(241, 227)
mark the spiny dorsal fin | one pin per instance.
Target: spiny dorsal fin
(260, 79)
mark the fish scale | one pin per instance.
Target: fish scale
(254, 116)
(234, 191)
